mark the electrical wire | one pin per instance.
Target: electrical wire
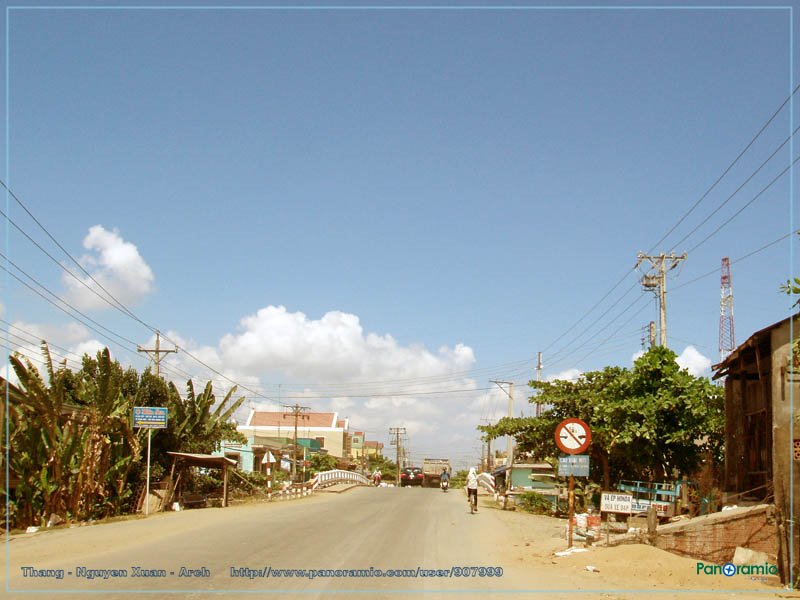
(727, 170)
(744, 183)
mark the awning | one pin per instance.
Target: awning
(204, 460)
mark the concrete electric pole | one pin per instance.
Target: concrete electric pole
(658, 283)
(538, 378)
(397, 432)
(297, 412)
(510, 394)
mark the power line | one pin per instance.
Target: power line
(727, 170)
(744, 183)
(678, 223)
(738, 212)
(64, 310)
(116, 303)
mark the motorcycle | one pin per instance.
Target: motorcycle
(444, 485)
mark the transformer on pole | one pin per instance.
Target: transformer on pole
(727, 339)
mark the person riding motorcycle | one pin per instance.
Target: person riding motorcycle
(445, 479)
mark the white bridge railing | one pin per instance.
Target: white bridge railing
(326, 478)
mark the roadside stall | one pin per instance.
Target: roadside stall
(185, 460)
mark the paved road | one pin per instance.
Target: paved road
(229, 553)
(231, 549)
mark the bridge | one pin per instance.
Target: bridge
(326, 478)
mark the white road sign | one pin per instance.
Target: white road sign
(616, 503)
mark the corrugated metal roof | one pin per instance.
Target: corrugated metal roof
(721, 368)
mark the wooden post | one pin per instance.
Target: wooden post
(147, 492)
(652, 523)
(269, 478)
(224, 484)
(571, 512)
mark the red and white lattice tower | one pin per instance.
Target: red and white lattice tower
(727, 339)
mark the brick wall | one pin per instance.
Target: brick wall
(714, 538)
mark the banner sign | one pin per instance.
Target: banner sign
(616, 503)
(150, 417)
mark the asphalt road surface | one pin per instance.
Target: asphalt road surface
(366, 542)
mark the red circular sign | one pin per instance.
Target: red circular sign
(573, 436)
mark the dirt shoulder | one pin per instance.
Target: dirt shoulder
(621, 571)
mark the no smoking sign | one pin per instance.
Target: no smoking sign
(573, 436)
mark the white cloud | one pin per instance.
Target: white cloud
(694, 362)
(567, 375)
(276, 345)
(333, 348)
(113, 263)
(369, 378)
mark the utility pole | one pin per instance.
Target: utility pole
(538, 378)
(658, 283)
(397, 432)
(652, 334)
(297, 412)
(510, 394)
(156, 352)
(489, 462)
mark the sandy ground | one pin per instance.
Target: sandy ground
(622, 571)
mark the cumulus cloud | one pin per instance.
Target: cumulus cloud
(567, 375)
(116, 265)
(276, 345)
(68, 341)
(694, 362)
(333, 348)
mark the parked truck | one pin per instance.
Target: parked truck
(669, 498)
(432, 470)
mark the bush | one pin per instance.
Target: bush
(534, 503)
(458, 479)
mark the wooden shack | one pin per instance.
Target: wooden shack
(762, 431)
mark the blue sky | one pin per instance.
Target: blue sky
(378, 211)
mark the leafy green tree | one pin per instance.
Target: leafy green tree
(646, 422)
(73, 450)
(321, 462)
(72, 445)
(387, 467)
(199, 427)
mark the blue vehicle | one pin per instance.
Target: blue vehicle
(670, 499)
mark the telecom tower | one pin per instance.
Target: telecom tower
(727, 339)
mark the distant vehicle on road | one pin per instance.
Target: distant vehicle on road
(411, 476)
(432, 470)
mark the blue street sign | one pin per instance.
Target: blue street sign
(150, 417)
(576, 465)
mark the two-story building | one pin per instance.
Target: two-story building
(328, 432)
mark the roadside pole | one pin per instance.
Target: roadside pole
(572, 436)
(149, 417)
(269, 459)
(147, 487)
(571, 511)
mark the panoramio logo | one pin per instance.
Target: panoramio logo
(730, 569)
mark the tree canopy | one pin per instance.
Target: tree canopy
(647, 422)
(73, 449)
